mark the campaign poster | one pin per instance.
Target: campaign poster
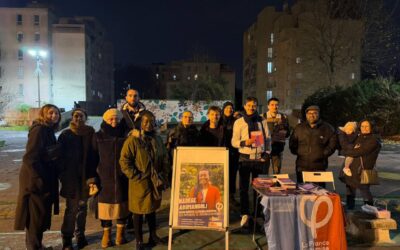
(200, 189)
(201, 195)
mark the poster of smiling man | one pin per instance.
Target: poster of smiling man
(200, 188)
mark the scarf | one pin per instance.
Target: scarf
(118, 131)
(80, 130)
(252, 121)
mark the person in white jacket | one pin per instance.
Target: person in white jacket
(253, 139)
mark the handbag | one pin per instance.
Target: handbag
(368, 176)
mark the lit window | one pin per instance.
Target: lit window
(298, 60)
(353, 76)
(37, 37)
(20, 72)
(269, 52)
(268, 94)
(20, 54)
(269, 67)
(20, 89)
(19, 19)
(36, 20)
(20, 37)
(272, 38)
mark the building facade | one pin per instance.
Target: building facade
(290, 54)
(22, 30)
(76, 60)
(83, 64)
(191, 74)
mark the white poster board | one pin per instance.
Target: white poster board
(200, 189)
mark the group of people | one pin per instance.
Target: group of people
(126, 165)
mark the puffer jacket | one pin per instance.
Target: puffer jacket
(312, 146)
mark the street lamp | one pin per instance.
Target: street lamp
(38, 54)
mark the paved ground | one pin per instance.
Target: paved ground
(10, 161)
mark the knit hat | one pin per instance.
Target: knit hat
(110, 113)
(349, 125)
(228, 103)
(79, 110)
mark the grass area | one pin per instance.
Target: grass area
(14, 128)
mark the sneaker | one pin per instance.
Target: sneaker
(347, 171)
(245, 220)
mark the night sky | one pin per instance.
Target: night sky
(149, 31)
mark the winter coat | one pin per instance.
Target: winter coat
(77, 163)
(131, 120)
(279, 128)
(241, 134)
(369, 149)
(113, 184)
(182, 136)
(212, 137)
(144, 161)
(227, 123)
(38, 182)
(312, 146)
(345, 141)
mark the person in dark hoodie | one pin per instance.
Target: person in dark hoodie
(228, 120)
(131, 112)
(113, 194)
(38, 178)
(364, 153)
(212, 131)
(76, 166)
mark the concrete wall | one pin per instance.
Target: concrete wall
(69, 66)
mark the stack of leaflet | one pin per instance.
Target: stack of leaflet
(262, 182)
(287, 183)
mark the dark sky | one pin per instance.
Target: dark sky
(148, 31)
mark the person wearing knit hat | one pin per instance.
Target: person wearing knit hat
(74, 172)
(228, 120)
(113, 195)
(346, 137)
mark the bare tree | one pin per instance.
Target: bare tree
(332, 35)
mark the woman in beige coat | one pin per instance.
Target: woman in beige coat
(144, 161)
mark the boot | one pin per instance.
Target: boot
(155, 240)
(120, 238)
(106, 240)
(81, 241)
(67, 243)
(350, 202)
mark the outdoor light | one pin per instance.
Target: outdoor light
(195, 76)
(38, 54)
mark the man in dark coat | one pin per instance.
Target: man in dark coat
(212, 131)
(76, 165)
(313, 141)
(131, 111)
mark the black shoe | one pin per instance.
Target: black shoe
(154, 240)
(81, 242)
(67, 244)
